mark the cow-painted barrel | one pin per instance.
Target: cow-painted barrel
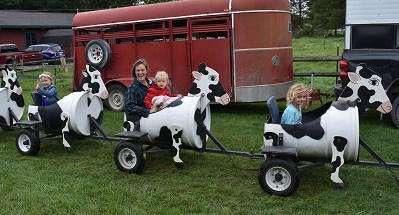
(313, 138)
(11, 98)
(183, 112)
(77, 106)
(179, 123)
(7, 103)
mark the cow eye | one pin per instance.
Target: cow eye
(374, 82)
(213, 77)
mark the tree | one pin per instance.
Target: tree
(327, 15)
(299, 17)
(65, 5)
(299, 11)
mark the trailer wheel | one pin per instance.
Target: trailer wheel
(395, 112)
(278, 177)
(129, 157)
(27, 143)
(116, 98)
(98, 53)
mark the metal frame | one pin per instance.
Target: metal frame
(267, 153)
(282, 152)
(56, 136)
(12, 118)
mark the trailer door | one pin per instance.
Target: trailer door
(211, 44)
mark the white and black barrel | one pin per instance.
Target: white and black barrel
(78, 106)
(339, 122)
(10, 101)
(184, 112)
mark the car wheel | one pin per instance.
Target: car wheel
(27, 143)
(98, 53)
(129, 157)
(116, 98)
(395, 112)
(278, 177)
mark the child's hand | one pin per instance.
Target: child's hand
(37, 84)
(153, 109)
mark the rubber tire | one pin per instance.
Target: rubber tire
(27, 143)
(116, 98)
(129, 157)
(395, 112)
(98, 53)
(278, 177)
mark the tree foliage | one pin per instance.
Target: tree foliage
(65, 5)
(317, 17)
(299, 11)
(309, 17)
(327, 15)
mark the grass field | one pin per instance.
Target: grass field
(85, 180)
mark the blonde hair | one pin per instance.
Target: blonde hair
(294, 91)
(160, 75)
(47, 75)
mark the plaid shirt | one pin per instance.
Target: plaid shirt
(134, 101)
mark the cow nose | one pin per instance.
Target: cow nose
(224, 100)
(104, 94)
(385, 107)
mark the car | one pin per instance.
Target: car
(11, 55)
(49, 50)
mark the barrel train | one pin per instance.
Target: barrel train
(184, 125)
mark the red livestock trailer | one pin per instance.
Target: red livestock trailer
(249, 42)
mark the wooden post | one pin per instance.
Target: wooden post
(63, 62)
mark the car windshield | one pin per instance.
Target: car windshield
(56, 48)
(39, 48)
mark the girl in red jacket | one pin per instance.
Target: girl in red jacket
(158, 95)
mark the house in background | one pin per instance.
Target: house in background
(28, 28)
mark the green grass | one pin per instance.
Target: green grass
(317, 47)
(85, 180)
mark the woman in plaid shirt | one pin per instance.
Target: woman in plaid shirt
(135, 93)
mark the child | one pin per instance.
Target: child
(46, 95)
(296, 97)
(158, 89)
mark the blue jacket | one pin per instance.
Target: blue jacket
(51, 93)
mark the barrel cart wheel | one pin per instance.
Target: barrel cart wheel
(278, 177)
(129, 157)
(27, 142)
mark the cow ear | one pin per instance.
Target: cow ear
(84, 73)
(354, 77)
(197, 75)
(201, 67)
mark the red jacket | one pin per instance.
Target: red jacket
(153, 91)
